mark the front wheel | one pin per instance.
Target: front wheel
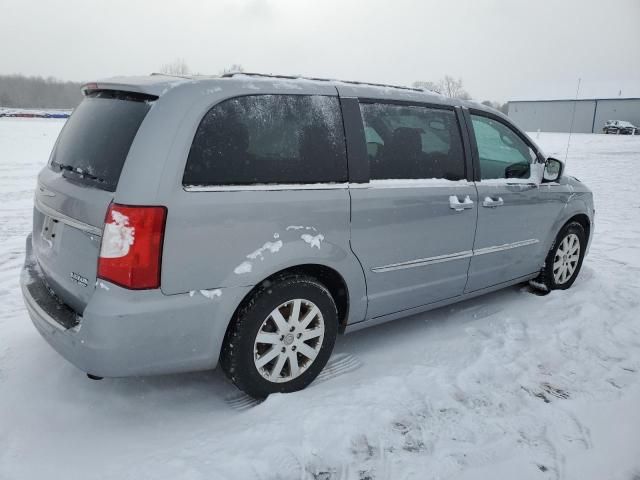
(564, 260)
(281, 339)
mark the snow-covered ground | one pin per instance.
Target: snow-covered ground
(509, 385)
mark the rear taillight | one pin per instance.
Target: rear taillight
(131, 249)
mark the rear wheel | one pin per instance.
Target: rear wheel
(564, 260)
(282, 337)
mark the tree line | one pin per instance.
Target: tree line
(19, 91)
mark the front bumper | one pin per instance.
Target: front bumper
(123, 332)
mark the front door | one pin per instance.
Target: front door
(514, 212)
(413, 222)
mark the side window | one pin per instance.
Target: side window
(503, 154)
(264, 139)
(411, 142)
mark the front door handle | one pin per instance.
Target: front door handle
(457, 205)
(492, 202)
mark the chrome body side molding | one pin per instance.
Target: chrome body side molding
(421, 262)
(506, 246)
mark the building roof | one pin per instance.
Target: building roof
(574, 100)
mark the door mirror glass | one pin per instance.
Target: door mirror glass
(552, 170)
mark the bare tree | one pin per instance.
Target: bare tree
(453, 88)
(236, 67)
(447, 86)
(177, 67)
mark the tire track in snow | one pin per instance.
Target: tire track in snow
(338, 365)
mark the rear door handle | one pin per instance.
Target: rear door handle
(492, 202)
(457, 205)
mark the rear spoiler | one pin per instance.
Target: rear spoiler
(152, 85)
(94, 90)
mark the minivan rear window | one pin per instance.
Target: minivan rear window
(95, 141)
(269, 139)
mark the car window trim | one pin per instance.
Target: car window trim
(279, 187)
(258, 186)
(467, 112)
(510, 126)
(470, 168)
(357, 161)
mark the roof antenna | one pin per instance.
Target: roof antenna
(573, 116)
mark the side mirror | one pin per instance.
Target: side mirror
(552, 170)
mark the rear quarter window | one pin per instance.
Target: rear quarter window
(95, 141)
(269, 139)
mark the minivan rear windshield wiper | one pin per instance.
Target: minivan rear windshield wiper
(78, 171)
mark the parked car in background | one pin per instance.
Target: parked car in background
(247, 220)
(620, 127)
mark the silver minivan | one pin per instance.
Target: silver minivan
(249, 219)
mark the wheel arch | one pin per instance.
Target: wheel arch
(582, 219)
(575, 210)
(328, 276)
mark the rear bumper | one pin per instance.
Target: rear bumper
(122, 332)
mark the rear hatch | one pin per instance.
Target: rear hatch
(74, 191)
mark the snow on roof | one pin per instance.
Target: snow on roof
(160, 82)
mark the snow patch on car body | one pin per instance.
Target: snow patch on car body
(211, 294)
(313, 240)
(272, 247)
(244, 267)
(301, 227)
(118, 236)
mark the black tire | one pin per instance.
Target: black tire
(547, 281)
(237, 356)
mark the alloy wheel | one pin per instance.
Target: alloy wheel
(566, 259)
(288, 340)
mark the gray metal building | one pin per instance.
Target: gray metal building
(590, 115)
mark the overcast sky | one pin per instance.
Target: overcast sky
(502, 49)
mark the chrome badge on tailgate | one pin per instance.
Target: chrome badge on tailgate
(45, 192)
(79, 279)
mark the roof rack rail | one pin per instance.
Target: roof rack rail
(299, 77)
